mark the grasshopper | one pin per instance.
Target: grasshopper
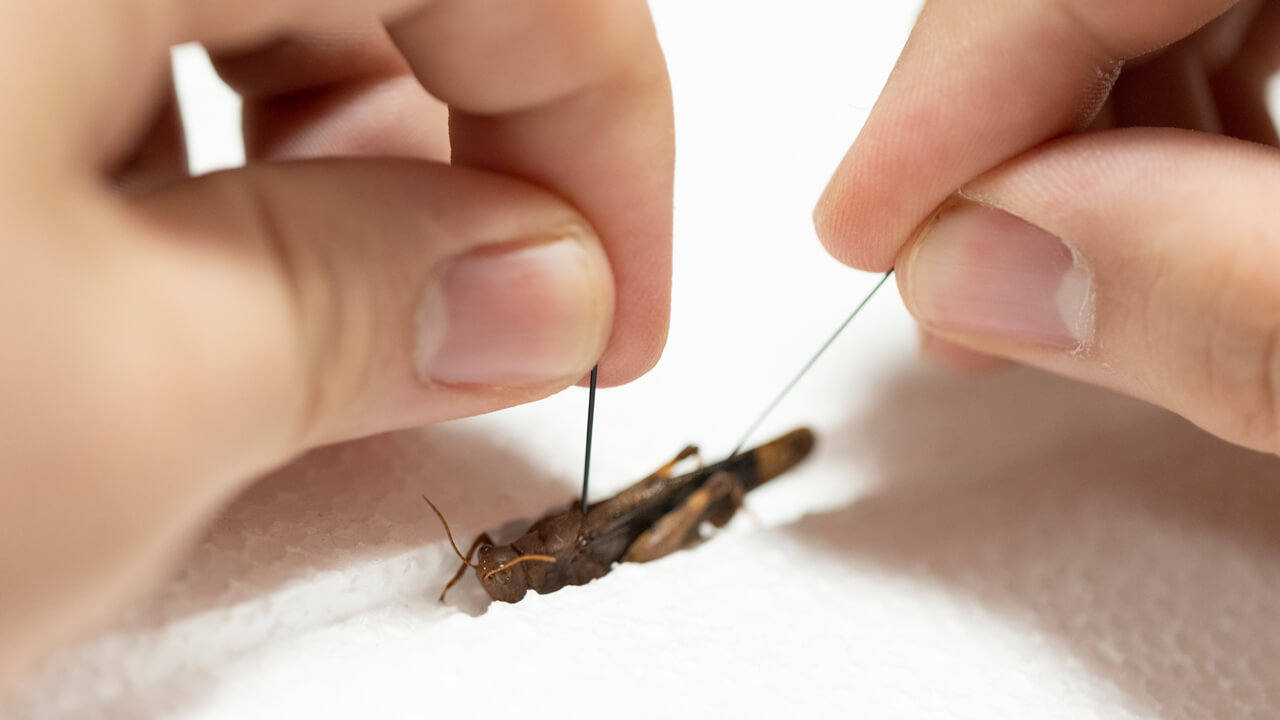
(654, 517)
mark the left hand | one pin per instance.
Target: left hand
(168, 339)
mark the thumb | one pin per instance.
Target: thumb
(1143, 260)
(413, 292)
(165, 354)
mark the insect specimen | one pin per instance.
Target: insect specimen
(654, 517)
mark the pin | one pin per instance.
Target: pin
(591, 393)
(591, 415)
(755, 425)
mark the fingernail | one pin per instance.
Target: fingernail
(520, 314)
(980, 271)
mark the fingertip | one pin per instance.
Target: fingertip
(853, 222)
(849, 248)
(576, 97)
(639, 338)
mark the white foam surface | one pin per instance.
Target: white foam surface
(1015, 546)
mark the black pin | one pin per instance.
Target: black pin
(755, 425)
(591, 416)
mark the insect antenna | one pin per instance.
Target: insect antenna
(449, 533)
(517, 561)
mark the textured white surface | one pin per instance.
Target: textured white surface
(1009, 547)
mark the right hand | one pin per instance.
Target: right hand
(1140, 258)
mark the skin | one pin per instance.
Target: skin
(168, 339)
(1162, 179)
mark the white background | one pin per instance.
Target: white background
(1007, 547)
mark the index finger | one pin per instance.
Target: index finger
(574, 95)
(979, 82)
(570, 94)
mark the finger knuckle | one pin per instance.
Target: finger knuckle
(1243, 358)
(333, 336)
(592, 44)
(1268, 424)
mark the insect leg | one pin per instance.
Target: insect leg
(725, 506)
(714, 502)
(666, 470)
(484, 539)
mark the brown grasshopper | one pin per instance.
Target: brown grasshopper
(654, 517)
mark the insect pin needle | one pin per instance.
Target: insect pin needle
(787, 389)
(591, 415)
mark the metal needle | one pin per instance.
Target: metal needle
(747, 435)
(591, 414)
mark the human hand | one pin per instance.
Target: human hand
(168, 339)
(1145, 260)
